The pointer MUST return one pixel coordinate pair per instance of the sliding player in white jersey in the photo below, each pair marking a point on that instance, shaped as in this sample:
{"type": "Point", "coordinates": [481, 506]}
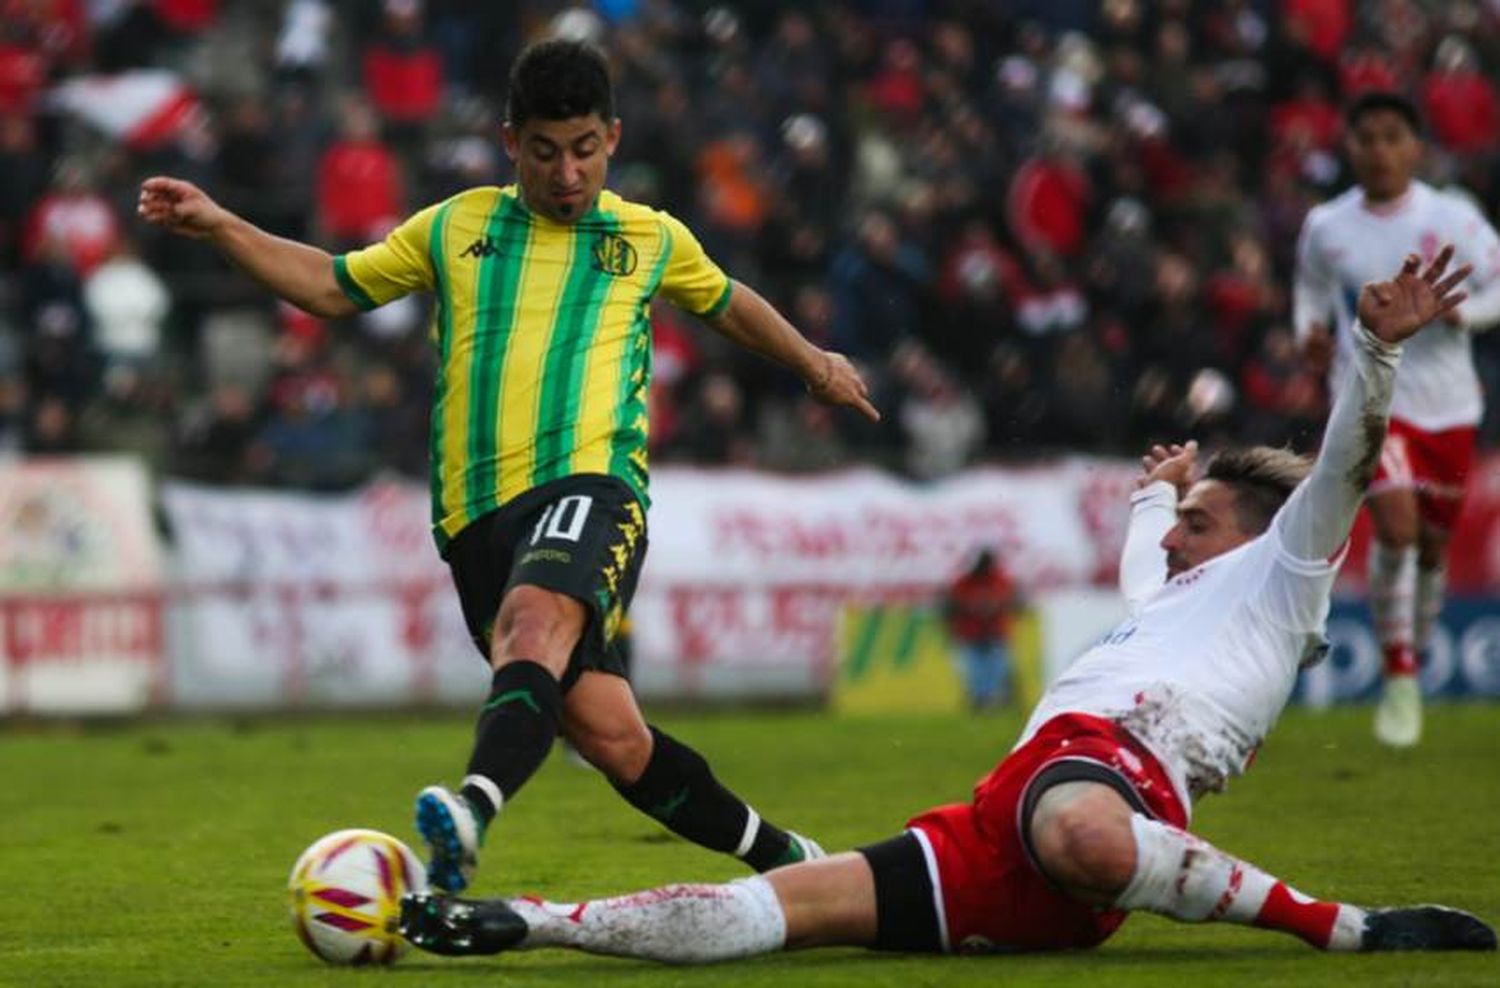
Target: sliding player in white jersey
{"type": "Point", "coordinates": [1228, 581]}
{"type": "Point", "coordinates": [1418, 489]}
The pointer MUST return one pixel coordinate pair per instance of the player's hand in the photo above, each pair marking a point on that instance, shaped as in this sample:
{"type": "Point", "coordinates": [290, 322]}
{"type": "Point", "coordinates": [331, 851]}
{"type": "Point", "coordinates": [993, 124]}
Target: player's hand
{"type": "Point", "coordinates": [836, 382]}
{"type": "Point", "coordinates": [1394, 310]}
{"type": "Point", "coordinates": [181, 207]}
{"type": "Point", "coordinates": [1174, 464]}
{"type": "Point", "coordinates": [1317, 349]}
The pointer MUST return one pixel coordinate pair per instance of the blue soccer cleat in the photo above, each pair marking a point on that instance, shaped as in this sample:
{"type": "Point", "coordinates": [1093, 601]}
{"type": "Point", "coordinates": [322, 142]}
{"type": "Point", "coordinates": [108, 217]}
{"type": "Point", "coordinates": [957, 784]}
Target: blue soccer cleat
{"type": "Point", "coordinates": [453, 833]}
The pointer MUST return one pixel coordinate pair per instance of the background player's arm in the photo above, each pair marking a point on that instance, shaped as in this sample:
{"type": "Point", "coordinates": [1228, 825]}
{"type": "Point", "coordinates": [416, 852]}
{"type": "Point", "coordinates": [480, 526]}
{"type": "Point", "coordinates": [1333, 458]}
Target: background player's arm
{"type": "Point", "coordinates": [1314, 295]}
{"type": "Point", "coordinates": [1317, 518]}
{"type": "Point", "coordinates": [754, 323]}
{"type": "Point", "coordinates": [297, 272]}
{"type": "Point", "coordinates": [1481, 311]}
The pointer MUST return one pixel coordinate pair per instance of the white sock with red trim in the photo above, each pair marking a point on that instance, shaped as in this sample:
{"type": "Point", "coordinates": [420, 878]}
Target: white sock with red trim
{"type": "Point", "coordinates": [1393, 588]}
{"type": "Point", "coordinates": [680, 924]}
{"type": "Point", "coordinates": [1431, 584]}
{"type": "Point", "coordinates": [1181, 876]}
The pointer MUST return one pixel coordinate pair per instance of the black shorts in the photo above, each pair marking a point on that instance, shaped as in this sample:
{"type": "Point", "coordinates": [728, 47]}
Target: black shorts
{"type": "Point", "coordinates": [584, 536]}
{"type": "Point", "coordinates": [905, 903]}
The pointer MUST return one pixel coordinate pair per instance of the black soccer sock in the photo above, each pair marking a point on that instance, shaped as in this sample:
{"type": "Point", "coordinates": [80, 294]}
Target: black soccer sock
{"type": "Point", "coordinates": [679, 790]}
{"type": "Point", "coordinates": [517, 725]}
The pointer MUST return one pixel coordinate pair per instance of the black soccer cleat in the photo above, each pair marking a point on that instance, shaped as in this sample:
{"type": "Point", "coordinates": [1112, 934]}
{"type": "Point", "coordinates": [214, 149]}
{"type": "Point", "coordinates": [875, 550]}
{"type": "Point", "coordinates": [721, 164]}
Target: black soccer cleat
{"type": "Point", "coordinates": [440, 924]}
{"type": "Point", "coordinates": [1425, 928]}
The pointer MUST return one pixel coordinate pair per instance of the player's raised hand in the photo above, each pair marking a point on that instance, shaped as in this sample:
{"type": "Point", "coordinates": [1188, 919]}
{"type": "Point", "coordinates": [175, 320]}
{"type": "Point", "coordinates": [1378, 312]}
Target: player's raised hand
{"type": "Point", "coordinates": [1394, 310]}
{"type": "Point", "coordinates": [837, 382]}
{"type": "Point", "coordinates": [180, 206]}
{"type": "Point", "coordinates": [1174, 464]}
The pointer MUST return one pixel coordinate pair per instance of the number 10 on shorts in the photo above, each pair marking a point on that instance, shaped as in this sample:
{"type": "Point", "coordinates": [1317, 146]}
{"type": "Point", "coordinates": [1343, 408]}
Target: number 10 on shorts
{"type": "Point", "coordinates": [564, 519]}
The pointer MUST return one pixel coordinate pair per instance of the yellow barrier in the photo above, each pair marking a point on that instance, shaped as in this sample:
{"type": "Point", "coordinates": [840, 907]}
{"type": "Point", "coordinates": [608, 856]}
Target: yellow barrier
{"type": "Point", "coordinates": [898, 658]}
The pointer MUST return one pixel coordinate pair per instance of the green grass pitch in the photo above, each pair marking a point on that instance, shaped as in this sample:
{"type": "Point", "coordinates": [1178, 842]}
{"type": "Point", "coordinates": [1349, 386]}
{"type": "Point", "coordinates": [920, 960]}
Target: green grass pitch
{"type": "Point", "coordinates": [156, 853]}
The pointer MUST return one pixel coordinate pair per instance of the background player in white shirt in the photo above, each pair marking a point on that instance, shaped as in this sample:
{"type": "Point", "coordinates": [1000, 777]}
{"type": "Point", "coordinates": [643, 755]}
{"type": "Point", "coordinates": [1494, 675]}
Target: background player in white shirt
{"type": "Point", "coordinates": [1085, 819]}
{"type": "Point", "coordinates": [1418, 489]}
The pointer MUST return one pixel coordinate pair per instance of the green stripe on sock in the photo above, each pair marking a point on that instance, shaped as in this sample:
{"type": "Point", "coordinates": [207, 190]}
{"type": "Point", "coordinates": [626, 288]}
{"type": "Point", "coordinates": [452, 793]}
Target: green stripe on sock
{"type": "Point", "coordinates": [523, 695]}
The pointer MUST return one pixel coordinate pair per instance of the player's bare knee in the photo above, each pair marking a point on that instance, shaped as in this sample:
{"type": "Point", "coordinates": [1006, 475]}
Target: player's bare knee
{"type": "Point", "coordinates": [1397, 538]}
{"type": "Point", "coordinates": [827, 902]}
{"type": "Point", "coordinates": [1396, 521]}
{"type": "Point", "coordinates": [1432, 547]}
{"type": "Point", "coordinates": [1081, 836]}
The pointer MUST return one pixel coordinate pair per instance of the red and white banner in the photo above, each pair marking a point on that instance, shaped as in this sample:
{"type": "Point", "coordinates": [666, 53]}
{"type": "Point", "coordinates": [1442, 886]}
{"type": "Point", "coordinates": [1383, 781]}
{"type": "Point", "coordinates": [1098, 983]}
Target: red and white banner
{"type": "Point", "coordinates": [143, 108]}
{"type": "Point", "coordinates": [293, 599]}
{"type": "Point", "coordinates": [296, 599]}
{"type": "Point", "coordinates": [80, 587]}
{"type": "Point", "coordinates": [747, 571]}
{"type": "Point", "coordinates": [289, 598]}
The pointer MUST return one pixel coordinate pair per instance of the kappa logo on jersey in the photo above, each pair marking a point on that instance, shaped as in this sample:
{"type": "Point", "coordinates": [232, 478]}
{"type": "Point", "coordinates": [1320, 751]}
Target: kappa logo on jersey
{"type": "Point", "coordinates": [613, 254]}
{"type": "Point", "coordinates": [481, 247]}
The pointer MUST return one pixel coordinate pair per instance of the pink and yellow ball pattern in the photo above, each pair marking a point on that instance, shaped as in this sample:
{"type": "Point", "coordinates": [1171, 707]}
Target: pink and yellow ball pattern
{"type": "Point", "coordinates": [346, 894]}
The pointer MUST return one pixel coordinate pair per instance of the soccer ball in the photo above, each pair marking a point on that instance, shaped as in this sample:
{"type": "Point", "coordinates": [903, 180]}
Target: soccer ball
{"type": "Point", "coordinates": [346, 894]}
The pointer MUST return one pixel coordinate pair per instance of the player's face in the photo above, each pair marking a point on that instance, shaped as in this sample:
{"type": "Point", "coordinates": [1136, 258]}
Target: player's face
{"type": "Point", "coordinates": [1384, 153]}
{"type": "Point", "coordinates": [1207, 526]}
{"type": "Point", "coordinates": [561, 164]}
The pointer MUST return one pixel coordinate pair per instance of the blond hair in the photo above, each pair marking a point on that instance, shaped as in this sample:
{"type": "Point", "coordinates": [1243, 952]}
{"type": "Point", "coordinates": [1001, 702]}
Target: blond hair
{"type": "Point", "coordinates": [1262, 478]}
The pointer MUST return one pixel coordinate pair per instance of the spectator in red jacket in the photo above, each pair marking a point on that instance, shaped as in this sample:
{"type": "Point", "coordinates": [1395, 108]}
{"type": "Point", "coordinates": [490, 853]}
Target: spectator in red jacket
{"type": "Point", "coordinates": [359, 182]}
{"type": "Point", "coordinates": [77, 217]}
{"type": "Point", "coordinates": [1365, 68]}
{"type": "Point", "coordinates": [187, 17]}
{"type": "Point", "coordinates": [1460, 101]}
{"type": "Point", "coordinates": [980, 609]}
{"type": "Point", "coordinates": [403, 71]}
{"type": "Point", "coordinates": [1320, 26]}
{"type": "Point", "coordinates": [1048, 202]}
{"type": "Point", "coordinates": [1309, 118]}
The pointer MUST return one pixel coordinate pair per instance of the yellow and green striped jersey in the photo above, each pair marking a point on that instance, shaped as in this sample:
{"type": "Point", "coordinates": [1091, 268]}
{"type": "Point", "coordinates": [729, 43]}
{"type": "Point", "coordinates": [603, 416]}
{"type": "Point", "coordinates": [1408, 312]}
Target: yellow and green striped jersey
{"type": "Point", "coordinates": [544, 336]}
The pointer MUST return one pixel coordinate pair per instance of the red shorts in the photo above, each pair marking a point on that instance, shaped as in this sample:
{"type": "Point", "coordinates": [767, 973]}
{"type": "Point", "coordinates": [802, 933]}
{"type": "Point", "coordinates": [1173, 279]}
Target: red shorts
{"type": "Point", "coordinates": [1436, 464]}
{"type": "Point", "coordinates": [993, 896]}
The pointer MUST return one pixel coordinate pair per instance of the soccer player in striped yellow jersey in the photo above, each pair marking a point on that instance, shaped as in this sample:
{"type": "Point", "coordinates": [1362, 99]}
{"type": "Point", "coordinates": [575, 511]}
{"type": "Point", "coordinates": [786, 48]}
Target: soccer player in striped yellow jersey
{"type": "Point", "coordinates": [538, 444]}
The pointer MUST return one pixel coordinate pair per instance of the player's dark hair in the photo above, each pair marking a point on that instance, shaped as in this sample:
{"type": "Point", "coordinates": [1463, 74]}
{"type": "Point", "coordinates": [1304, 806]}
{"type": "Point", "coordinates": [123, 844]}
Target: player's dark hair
{"type": "Point", "coordinates": [558, 79]}
{"type": "Point", "coordinates": [1262, 478]}
{"type": "Point", "coordinates": [1383, 101]}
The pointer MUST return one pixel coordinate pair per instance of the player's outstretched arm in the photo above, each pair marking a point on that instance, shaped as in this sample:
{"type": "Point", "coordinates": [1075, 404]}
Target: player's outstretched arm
{"type": "Point", "coordinates": [297, 272]}
{"type": "Point", "coordinates": [753, 322]}
{"type": "Point", "coordinates": [1480, 313]}
{"type": "Point", "coordinates": [1317, 518]}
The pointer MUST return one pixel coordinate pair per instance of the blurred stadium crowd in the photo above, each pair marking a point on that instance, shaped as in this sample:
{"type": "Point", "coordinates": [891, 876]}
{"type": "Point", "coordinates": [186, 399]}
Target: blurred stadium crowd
{"type": "Point", "coordinates": [1040, 224]}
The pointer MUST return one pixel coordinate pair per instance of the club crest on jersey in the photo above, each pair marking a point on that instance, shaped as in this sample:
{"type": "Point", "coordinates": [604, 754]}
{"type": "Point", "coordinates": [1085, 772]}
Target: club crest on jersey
{"type": "Point", "coordinates": [614, 255]}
